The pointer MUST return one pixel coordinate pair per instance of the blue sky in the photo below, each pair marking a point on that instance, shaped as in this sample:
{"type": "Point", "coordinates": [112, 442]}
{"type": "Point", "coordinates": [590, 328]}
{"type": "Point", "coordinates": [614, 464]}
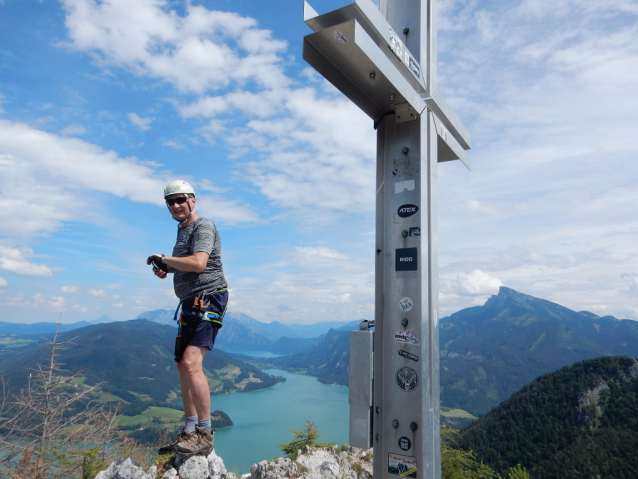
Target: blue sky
{"type": "Point", "coordinates": [102, 103]}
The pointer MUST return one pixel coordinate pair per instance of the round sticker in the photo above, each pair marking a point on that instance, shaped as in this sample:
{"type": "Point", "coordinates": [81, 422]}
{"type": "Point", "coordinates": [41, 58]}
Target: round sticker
{"type": "Point", "coordinates": [405, 443]}
{"type": "Point", "coordinates": [407, 379]}
{"type": "Point", "coordinates": [406, 304]}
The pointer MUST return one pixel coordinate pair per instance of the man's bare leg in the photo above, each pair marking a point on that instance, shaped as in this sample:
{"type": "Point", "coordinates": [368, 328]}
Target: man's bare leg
{"type": "Point", "coordinates": [195, 389]}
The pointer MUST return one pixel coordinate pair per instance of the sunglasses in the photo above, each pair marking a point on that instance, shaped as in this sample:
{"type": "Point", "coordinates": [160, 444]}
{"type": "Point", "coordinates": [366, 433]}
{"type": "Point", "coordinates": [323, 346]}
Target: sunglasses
{"type": "Point", "coordinates": [179, 200]}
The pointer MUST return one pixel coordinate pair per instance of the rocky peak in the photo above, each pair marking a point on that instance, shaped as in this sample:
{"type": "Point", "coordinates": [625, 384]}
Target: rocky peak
{"type": "Point", "coordinates": [311, 463]}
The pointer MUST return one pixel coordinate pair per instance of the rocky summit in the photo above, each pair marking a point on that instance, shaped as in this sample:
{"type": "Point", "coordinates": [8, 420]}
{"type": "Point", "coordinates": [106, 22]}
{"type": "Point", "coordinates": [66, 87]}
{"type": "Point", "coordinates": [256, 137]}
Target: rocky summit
{"type": "Point", "coordinates": [311, 463]}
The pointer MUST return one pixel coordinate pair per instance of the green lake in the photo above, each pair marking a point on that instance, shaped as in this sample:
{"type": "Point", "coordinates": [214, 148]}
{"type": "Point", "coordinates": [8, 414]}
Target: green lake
{"type": "Point", "coordinates": [265, 418]}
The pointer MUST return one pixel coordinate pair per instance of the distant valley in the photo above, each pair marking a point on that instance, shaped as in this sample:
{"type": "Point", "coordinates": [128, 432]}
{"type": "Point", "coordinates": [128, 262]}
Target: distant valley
{"type": "Point", "coordinates": [486, 352]}
{"type": "Point", "coordinates": [134, 359]}
{"type": "Point", "coordinates": [489, 352]}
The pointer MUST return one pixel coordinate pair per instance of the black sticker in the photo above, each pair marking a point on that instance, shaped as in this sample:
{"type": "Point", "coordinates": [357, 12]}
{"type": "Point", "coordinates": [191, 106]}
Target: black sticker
{"type": "Point", "coordinates": [416, 231]}
{"type": "Point", "coordinates": [416, 69]}
{"type": "Point", "coordinates": [406, 259]}
{"type": "Point", "coordinates": [407, 379]}
{"type": "Point", "coordinates": [404, 443]}
{"type": "Point", "coordinates": [405, 354]}
{"type": "Point", "coordinates": [405, 211]}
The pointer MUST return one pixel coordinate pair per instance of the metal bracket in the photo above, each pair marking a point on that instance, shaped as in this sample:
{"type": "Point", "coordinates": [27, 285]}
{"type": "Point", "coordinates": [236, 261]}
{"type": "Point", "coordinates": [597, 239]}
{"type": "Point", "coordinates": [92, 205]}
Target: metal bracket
{"type": "Point", "coordinates": [404, 112]}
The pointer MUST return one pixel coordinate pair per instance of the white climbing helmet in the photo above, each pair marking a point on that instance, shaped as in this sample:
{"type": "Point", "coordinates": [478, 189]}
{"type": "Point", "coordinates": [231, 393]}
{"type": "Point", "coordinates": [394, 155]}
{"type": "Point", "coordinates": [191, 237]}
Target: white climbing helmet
{"type": "Point", "coordinates": [177, 187]}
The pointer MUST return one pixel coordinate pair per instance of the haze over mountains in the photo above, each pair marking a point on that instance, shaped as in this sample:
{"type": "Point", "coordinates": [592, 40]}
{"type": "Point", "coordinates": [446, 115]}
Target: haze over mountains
{"type": "Point", "coordinates": [486, 352]}
{"type": "Point", "coordinates": [135, 359]}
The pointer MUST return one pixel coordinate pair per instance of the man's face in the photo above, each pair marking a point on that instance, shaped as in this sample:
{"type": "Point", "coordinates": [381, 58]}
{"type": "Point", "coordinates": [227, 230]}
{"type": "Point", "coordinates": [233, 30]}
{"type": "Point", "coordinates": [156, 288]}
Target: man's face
{"type": "Point", "coordinates": [178, 205]}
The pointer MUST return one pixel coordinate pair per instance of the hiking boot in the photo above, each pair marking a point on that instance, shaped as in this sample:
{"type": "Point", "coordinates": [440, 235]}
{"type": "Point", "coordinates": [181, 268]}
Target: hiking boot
{"type": "Point", "coordinates": [207, 440]}
{"type": "Point", "coordinates": [198, 442]}
{"type": "Point", "coordinates": [183, 435]}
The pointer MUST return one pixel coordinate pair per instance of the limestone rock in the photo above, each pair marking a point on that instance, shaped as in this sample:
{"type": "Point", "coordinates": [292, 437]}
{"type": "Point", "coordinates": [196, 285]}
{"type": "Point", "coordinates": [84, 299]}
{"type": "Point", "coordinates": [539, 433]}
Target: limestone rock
{"type": "Point", "coordinates": [170, 474]}
{"type": "Point", "coordinates": [216, 467]}
{"type": "Point", "coordinates": [319, 463]}
{"type": "Point", "coordinates": [125, 468]}
{"type": "Point", "coordinates": [195, 467]}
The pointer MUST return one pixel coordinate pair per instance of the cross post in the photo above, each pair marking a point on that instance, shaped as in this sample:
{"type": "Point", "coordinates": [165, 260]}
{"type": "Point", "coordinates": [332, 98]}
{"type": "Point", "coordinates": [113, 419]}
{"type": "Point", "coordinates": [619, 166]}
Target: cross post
{"type": "Point", "coordinates": [384, 60]}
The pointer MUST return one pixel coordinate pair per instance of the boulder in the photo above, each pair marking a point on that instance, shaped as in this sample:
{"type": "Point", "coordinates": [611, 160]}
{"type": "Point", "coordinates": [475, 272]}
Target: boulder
{"type": "Point", "coordinates": [195, 467]}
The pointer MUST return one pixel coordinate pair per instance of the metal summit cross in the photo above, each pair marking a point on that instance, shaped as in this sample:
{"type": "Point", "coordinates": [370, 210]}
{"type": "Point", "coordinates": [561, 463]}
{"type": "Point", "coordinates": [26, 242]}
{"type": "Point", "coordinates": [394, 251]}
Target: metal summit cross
{"type": "Point", "coordinates": [384, 60]}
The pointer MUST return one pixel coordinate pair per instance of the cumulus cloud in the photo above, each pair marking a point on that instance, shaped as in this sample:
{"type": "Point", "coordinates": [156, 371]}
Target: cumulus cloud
{"type": "Point", "coordinates": [69, 289]}
{"type": "Point", "coordinates": [118, 305]}
{"type": "Point", "coordinates": [97, 292]}
{"type": "Point", "coordinates": [315, 149]}
{"type": "Point", "coordinates": [141, 123]}
{"type": "Point", "coordinates": [3, 282]}
{"type": "Point", "coordinates": [201, 50]}
{"type": "Point", "coordinates": [477, 283]}
{"type": "Point", "coordinates": [54, 169]}
{"type": "Point", "coordinates": [14, 261]}
{"type": "Point", "coordinates": [36, 301]}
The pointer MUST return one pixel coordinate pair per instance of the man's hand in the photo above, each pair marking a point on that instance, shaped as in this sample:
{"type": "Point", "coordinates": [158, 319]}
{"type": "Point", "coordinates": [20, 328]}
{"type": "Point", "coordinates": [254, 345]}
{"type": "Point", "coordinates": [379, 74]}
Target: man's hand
{"type": "Point", "coordinates": [159, 267]}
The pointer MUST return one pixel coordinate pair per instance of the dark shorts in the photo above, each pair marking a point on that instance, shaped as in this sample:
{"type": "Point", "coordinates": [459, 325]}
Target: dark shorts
{"type": "Point", "coordinates": [207, 329]}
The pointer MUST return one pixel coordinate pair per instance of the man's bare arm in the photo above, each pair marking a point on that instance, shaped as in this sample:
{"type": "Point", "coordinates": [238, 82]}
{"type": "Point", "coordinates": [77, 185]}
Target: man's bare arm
{"type": "Point", "coordinates": [195, 263]}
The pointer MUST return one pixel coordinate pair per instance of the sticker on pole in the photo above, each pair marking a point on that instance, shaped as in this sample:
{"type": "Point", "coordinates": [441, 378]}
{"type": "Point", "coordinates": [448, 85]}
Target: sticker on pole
{"type": "Point", "coordinates": [406, 354]}
{"type": "Point", "coordinates": [406, 259]}
{"type": "Point", "coordinates": [405, 211]}
{"type": "Point", "coordinates": [401, 186]}
{"type": "Point", "coordinates": [415, 231]}
{"type": "Point", "coordinates": [402, 465]}
{"type": "Point", "coordinates": [406, 337]}
{"type": "Point", "coordinates": [396, 45]}
{"type": "Point", "coordinates": [404, 443]}
{"type": "Point", "coordinates": [407, 379]}
{"type": "Point", "coordinates": [406, 304]}
{"type": "Point", "coordinates": [338, 34]}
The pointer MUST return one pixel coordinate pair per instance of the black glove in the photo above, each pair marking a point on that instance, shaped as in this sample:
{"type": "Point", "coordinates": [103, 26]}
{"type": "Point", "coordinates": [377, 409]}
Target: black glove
{"type": "Point", "coordinates": [156, 260]}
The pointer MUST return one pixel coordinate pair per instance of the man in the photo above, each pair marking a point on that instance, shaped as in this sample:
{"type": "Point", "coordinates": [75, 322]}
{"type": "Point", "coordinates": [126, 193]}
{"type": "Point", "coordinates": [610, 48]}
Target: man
{"type": "Point", "coordinates": [200, 285]}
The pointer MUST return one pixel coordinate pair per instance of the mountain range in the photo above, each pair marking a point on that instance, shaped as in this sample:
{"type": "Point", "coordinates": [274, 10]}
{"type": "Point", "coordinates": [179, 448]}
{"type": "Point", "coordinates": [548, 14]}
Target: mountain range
{"type": "Point", "coordinates": [486, 352]}
{"type": "Point", "coordinates": [579, 422]}
{"type": "Point", "coordinates": [489, 352]}
{"type": "Point", "coordinates": [245, 334]}
{"type": "Point", "coordinates": [134, 359]}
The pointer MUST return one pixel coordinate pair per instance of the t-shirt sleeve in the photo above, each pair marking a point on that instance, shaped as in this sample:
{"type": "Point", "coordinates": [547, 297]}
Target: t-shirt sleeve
{"type": "Point", "coordinates": [203, 238]}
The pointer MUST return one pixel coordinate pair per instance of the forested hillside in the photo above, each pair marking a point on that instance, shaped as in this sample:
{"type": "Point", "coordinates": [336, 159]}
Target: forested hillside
{"type": "Point", "coordinates": [488, 352]}
{"type": "Point", "coordinates": [135, 359]}
{"type": "Point", "coordinates": [579, 422]}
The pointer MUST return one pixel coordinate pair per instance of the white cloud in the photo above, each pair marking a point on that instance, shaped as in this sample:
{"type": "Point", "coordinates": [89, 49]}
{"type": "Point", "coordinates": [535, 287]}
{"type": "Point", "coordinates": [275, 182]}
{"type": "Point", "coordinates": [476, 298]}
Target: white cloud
{"type": "Point", "coordinates": [36, 301]}
{"type": "Point", "coordinates": [314, 148]}
{"type": "Point", "coordinates": [73, 130]}
{"type": "Point", "coordinates": [81, 309]}
{"type": "Point", "coordinates": [97, 292]}
{"type": "Point", "coordinates": [3, 282]}
{"type": "Point", "coordinates": [55, 169]}
{"type": "Point", "coordinates": [69, 289]}
{"type": "Point", "coordinates": [202, 50]}
{"type": "Point", "coordinates": [477, 283]}
{"type": "Point", "coordinates": [118, 305]}
{"type": "Point", "coordinates": [13, 260]}
{"type": "Point", "coordinates": [141, 123]}
{"type": "Point", "coordinates": [173, 144]}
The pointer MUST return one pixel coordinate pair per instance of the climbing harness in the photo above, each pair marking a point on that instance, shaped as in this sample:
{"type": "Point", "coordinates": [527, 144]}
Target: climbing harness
{"type": "Point", "coordinates": [189, 321]}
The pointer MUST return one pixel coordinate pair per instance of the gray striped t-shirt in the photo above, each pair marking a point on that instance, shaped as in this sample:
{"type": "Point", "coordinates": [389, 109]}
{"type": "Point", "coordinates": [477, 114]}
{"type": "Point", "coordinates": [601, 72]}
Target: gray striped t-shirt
{"type": "Point", "coordinates": [200, 235]}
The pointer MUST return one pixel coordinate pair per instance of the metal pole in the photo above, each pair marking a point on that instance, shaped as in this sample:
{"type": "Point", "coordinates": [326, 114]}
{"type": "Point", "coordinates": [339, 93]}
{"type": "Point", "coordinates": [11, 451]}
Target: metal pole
{"type": "Point", "coordinates": [406, 387]}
